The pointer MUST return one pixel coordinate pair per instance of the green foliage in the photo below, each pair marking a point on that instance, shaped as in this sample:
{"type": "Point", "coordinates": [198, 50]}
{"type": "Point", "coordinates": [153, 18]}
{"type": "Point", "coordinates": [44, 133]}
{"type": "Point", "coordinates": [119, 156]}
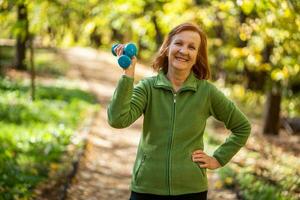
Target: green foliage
{"type": "Point", "coordinates": [252, 186]}
{"type": "Point", "coordinates": [291, 106]}
{"type": "Point", "coordinates": [258, 24]}
{"type": "Point", "coordinates": [6, 55]}
{"type": "Point", "coordinates": [226, 173]}
{"type": "Point", "coordinates": [249, 102]}
{"type": "Point", "coordinates": [5, 58]}
{"type": "Point", "coordinates": [255, 189]}
{"type": "Point", "coordinates": [46, 61]}
{"type": "Point", "coordinates": [213, 141]}
{"type": "Point", "coordinates": [35, 135]}
{"type": "Point", "coordinates": [26, 154]}
{"type": "Point", "coordinates": [252, 102]}
{"type": "Point", "coordinates": [266, 173]}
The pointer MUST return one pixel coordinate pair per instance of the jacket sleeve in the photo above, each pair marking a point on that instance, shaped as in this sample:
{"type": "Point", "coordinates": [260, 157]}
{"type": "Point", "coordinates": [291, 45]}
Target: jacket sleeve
{"type": "Point", "coordinates": [127, 103]}
{"type": "Point", "coordinates": [226, 111]}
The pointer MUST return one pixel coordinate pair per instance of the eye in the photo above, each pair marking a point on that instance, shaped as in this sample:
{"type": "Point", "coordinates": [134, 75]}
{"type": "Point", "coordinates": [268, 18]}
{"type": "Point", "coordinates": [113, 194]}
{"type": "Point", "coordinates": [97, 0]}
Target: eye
{"type": "Point", "coordinates": [192, 47]}
{"type": "Point", "coordinates": [177, 43]}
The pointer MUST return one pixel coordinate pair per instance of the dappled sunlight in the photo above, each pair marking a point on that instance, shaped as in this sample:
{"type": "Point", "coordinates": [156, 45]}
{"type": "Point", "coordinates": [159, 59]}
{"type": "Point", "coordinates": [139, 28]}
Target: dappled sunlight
{"type": "Point", "coordinates": [58, 75]}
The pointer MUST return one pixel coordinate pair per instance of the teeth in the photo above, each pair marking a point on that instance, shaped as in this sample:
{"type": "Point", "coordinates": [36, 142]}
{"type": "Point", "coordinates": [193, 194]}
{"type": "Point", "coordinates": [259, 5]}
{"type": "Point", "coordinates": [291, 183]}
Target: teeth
{"type": "Point", "coordinates": [181, 59]}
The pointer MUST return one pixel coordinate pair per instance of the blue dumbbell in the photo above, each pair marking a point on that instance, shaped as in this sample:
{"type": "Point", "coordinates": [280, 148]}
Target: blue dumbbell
{"type": "Point", "coordinates": [129, 51]}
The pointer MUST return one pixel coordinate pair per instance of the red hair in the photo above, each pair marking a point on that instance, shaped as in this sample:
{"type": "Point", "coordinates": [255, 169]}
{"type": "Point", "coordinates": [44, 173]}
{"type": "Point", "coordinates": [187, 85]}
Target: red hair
{"type": "Point", "coordinates": [201, 67]}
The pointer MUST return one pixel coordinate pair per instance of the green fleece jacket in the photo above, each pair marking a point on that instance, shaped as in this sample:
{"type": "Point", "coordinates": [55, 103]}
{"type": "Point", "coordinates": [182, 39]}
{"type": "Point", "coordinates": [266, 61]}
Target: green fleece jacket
{"type": "Point", "coordinates": [173, 128]}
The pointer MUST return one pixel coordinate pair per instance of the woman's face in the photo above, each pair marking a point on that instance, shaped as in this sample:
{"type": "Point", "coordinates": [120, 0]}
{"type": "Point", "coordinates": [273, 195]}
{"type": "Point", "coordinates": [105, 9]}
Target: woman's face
{"type": "Point", "coordinates": [183, 49]}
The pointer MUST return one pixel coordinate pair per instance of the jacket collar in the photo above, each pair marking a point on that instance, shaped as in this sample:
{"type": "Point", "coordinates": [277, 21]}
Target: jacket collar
{"type": "Point", "coordinates": [163, 82]}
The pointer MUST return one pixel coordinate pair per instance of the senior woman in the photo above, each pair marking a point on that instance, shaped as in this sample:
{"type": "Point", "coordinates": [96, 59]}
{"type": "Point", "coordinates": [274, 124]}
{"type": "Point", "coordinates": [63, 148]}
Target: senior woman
{"type": "Point", "coordinates": [171, 162]}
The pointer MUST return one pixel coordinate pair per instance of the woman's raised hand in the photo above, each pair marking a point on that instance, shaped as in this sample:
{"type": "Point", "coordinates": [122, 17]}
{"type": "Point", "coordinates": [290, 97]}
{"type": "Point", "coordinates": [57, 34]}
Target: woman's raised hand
{"type": "Point", "coordinates": [205, 160]}
{"type": "Point", "coordinates": [131, 69]}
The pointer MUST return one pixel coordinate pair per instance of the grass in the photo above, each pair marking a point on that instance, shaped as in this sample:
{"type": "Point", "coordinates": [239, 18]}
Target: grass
{"type": "Point", "coordinates": [6, 55]}
{"type": "Point", "coordinates": [46, 61]}
{"type": "Point", "coordinates": [50, 63]}
{"type": "Point", "coordinates": [35, 135]}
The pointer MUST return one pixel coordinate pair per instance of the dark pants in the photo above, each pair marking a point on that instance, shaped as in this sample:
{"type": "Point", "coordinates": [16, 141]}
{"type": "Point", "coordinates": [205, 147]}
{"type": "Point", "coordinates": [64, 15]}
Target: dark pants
{"type": "Point", "coordinates": [194, 196]}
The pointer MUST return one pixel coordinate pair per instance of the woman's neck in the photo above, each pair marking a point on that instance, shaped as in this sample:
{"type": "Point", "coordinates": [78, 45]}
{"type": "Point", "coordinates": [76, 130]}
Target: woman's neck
{"type": "Point", "coordinates": [177, 78]}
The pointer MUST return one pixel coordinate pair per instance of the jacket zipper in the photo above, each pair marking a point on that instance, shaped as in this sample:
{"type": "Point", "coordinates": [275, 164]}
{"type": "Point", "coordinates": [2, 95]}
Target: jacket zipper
{"type": "Point", "coordinates": [139, 167]}
{"type": "Point", "coordinates": [170, 144]}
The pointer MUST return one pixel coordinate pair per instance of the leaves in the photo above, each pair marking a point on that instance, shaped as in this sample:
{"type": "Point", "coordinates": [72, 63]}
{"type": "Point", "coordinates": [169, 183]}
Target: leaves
{"type": "Point", "coordinates": [35, 135]}
{"type": "Point", "coordinates": [246, 5]}
{"type": "Point", "coordinates": [265, 22]}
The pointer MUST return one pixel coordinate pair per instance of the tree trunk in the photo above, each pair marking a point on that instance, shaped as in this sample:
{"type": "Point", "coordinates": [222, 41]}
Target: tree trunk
{"type": "Point", "coordinates": [271, 119]}
{"type": "Point", "coordinates": [32, 72]}
{"type": "Point", "coordinates": [200, 2]}
{"type": "Point", "coordinates": [158, 36]}
{"type": "Point", "coordinates": [116, 35]}
{"type": "Point", "coordinates": [255, 79]}
{"type": "Point", "coordinates": [21, 37]}
{"type": "Point", "coordinates": [96, 38]}
{"type": "Point", "coordinates": [272, 112]}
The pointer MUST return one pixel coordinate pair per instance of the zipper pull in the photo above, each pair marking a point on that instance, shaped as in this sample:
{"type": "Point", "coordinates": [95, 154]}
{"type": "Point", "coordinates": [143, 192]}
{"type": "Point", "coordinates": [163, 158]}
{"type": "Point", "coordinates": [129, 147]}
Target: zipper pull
{"type": "Point", "coordinates": [175, 98]}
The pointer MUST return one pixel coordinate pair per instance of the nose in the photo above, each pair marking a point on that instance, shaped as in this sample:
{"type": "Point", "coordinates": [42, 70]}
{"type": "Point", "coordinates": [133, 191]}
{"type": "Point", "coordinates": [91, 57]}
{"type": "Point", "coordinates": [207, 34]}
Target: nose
{"type": "Point", "coordinates": [183, 50]}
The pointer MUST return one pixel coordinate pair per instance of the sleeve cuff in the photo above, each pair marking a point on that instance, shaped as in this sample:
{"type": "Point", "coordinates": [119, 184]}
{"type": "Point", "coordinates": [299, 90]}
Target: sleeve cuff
{"type": "Point", "coordinates": [219, 160]}
{"type": "Point", "coordinates": [127, 77]}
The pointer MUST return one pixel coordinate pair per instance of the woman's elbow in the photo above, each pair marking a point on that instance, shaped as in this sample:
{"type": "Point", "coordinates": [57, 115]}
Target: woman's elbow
{"type": "Point", "coordinates": [115, 124]}
{"type": "Point", "coordinates": [115, 121]}
{"type": "Point", "coordinates": [248, 127]}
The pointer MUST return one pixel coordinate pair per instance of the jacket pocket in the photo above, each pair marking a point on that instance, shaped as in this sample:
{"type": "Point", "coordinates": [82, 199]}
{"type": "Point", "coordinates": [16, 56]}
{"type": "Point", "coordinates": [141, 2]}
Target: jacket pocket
{"type": "Point", "coordinates": [202, 170]}
{"type": "Point", "coordinates": [139, 167]}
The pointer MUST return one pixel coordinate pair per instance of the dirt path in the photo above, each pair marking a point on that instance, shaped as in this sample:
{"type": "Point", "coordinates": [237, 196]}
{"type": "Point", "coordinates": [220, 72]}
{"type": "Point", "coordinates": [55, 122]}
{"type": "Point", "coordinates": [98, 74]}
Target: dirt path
{"type": "Point", "coordinates": [104, 171]}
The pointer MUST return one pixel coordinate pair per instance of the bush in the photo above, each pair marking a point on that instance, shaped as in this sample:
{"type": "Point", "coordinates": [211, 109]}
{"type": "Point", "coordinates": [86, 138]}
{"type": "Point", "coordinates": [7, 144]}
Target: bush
{"type": "Point", "coordinates": [35, 135]}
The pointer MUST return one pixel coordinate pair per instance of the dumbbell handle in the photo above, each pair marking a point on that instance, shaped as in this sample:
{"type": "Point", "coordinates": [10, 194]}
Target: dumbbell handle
{"type": "Point", "coordinates": [129, 51]}
{"type": "Point", "coordinates": [113, 49]}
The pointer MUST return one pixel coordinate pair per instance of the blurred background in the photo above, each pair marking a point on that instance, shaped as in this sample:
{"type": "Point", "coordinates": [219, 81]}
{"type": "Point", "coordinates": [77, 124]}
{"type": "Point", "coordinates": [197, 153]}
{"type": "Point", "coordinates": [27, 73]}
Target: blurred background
{"type": "Point", "coordinates": [47, 92]}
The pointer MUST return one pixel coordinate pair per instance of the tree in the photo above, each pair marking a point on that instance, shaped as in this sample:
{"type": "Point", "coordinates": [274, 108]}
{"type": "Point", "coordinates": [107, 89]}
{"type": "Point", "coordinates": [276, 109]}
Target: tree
{"type": "Point", "coordinates": [270, 50]}
{"type": "Point", "coordinates": [22, 35]}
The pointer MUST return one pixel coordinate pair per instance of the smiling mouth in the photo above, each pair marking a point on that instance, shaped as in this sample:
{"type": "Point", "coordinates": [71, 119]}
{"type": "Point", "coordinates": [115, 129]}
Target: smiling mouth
{"type": "Point", "coordinates": [181, 59]}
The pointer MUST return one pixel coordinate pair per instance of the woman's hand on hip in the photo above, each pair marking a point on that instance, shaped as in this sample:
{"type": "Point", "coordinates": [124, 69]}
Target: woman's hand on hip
{"type": "Point", "coordinates": [205, 160]}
